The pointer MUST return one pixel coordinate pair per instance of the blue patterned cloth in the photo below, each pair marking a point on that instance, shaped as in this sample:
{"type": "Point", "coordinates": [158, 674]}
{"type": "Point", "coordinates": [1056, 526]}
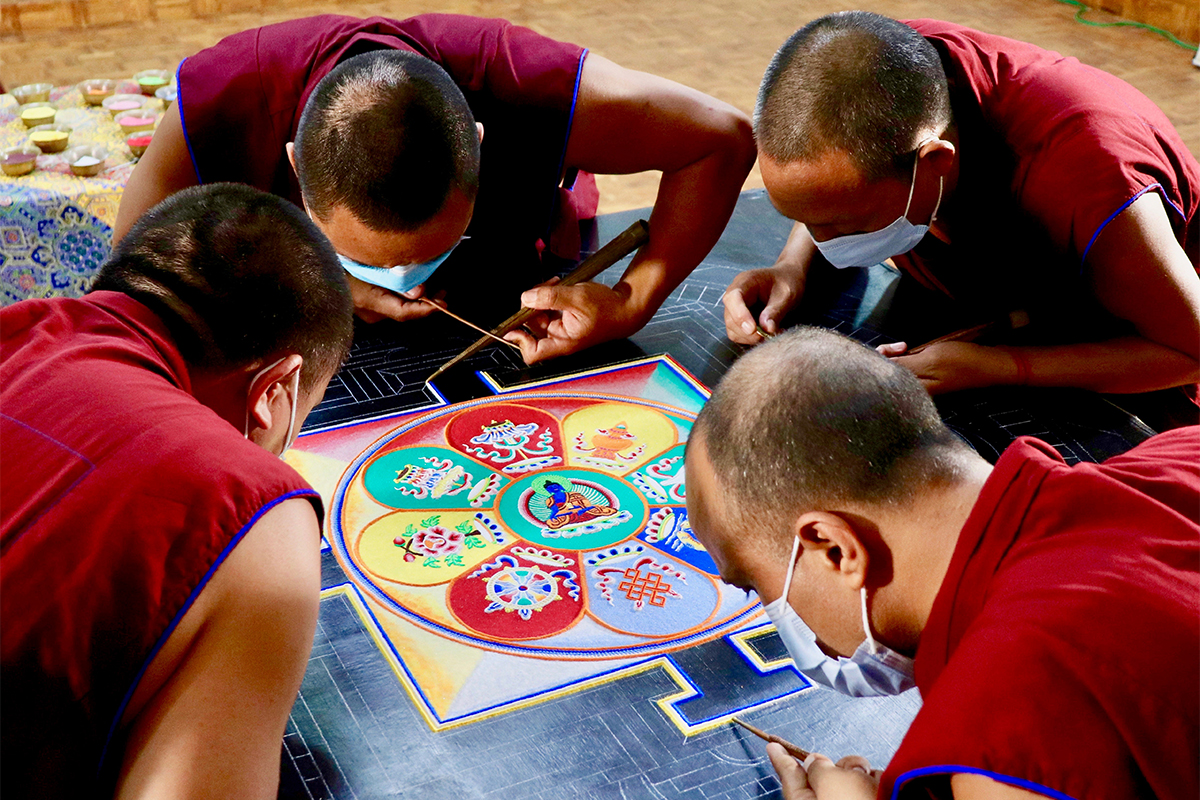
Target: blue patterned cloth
{"type": "Point", "coordinates": [56, 228]}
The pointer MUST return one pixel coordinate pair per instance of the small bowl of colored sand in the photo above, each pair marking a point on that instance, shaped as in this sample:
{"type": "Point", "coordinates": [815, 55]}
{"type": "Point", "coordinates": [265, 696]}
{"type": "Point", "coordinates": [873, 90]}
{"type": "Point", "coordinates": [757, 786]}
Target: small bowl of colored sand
{"type": "Point", "coordinates": [135, 121]}
{"type": "Point", "coordinates": [50, 138]}
{"type": "Point", "coordinates": [167, 94]}
{"type": "Point", "coordinates": [150, 81]}
{"type": "Point", "coordinates": [123, 103]}
{"type": "Point", "coordinates": [86, 160]}
{"type": "Point", "coordinates": [96, 90]}
{"type": "Point", "coordinates": [32, 93]}
{"type": "Point", "coordinates": [139, 142]}
{"type": "Point", "coordinates": [19, 160]}
{"type": "Point", "coordinates": [34, 114]}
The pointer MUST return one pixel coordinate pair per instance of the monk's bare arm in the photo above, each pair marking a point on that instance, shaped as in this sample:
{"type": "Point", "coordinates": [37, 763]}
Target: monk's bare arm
{"type": "Point", "coordinates": [969, 786]}
{"type": "Point", "coordinates": [1139, 273]}
{"type": "Point", "coordinates": [626, 122]}
{"type": "Point", "coordinates": [165, 168]}
{"type": "Point", "coordinates": [208, 719]}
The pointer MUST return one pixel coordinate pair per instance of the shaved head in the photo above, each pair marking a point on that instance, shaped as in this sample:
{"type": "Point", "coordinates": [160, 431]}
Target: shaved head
{"type": "Point", "coordinates": [857, 82]}
{"type": "Point", "coordinates": [388, 135]}
{"type": "Point", "coordinates": [814, 420]}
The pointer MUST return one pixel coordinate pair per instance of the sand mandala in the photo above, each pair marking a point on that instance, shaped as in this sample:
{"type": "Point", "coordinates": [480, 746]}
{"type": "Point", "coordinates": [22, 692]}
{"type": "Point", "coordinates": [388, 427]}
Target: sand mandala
{"type": "Point", "coordinates": [535, 524]}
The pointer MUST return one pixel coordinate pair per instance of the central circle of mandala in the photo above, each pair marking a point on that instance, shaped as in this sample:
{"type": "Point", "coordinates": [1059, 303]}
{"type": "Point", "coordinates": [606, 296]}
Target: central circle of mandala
{"type": "Point", "coordinates": [572, 509]}
{"type": "Point", "coordinates": [551, 525]}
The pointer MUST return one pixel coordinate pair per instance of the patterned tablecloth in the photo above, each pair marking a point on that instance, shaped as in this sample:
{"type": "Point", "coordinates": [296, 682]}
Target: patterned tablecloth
{"type": "Point", "coordinates": [56, 228]}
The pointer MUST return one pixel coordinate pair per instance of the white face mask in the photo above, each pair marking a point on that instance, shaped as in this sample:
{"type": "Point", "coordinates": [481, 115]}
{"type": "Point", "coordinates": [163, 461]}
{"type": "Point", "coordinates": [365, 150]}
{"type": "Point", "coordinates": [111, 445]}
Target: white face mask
{"type": "Point", "coordinates": [287, 442]}
{"type": "Point", "coordinates": [871, 671]}
{"type": "Point", "coordinates": [868, 249]}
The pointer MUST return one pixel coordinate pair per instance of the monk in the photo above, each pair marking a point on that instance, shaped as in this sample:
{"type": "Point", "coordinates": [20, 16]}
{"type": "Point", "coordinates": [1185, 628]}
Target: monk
{"type": "Point", "coordinates": [445, 138]}
{"type": "Point", "coordinates": [1004, 176]}
{"type": "Point", "coordinates": [1046, 613]}
{"type": "Point", "coordinates": [159, 562]}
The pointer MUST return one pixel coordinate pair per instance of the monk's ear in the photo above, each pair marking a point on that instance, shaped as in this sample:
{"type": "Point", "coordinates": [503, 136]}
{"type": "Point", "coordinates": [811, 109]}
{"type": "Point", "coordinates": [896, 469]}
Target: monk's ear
{"type": "Point", "coordinates": [832, 546]}
{"type": "Point", "coordinates": [290, 147]}
{"type": "Point", "coordinates": [939, 154]}
{"type": "Point", "coordinates": [267, 388]}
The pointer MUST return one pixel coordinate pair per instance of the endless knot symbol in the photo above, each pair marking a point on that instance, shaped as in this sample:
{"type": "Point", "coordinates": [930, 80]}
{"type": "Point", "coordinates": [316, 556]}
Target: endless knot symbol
{"type": "Point", "coordinates": [649, 587]}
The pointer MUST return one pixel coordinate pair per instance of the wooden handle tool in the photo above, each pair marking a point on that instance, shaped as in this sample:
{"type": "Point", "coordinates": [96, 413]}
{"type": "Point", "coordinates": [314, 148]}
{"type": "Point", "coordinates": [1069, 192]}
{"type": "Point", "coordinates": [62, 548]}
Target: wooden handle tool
{"type": "Point", "coordinates": [793, 750]}
{"type": "Point", "coordinates": [622, 245]}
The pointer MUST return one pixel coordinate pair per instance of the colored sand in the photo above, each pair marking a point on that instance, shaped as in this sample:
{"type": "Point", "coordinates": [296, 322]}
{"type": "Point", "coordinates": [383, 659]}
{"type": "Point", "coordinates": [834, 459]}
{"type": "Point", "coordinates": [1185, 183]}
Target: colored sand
{"type": "Point", "coordinates": [139, 141]}
{"type": "Point", "coordinates": [41, 112]}
{"type": "Point", "coordinates": [97, 90]}
{"type": "Point", "coordinates": [12, 159]}
{"type": "Point", "coordinates": [134, 122]}
{"type": "Point", "coordinates": [86, 161]}
{"type": "Point", "coordinates": [125, 105]}
{"type": "Point", "coordinates": [48, 137]}
{"type": "Point", "coordinates": [152, 81]}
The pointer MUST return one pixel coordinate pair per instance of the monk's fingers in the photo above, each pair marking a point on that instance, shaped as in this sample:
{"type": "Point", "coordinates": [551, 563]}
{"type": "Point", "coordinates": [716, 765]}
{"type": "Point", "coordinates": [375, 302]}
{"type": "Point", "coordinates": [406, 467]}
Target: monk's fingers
{"type": "Point", "coordinates": [782, 297]}
{"type": "Point", "coordinates": [893, 349]}
{"type": "Point", "coordinates": [855, 762]}
{"type": "Point", "coordinates": [526, 342]}
{"type": "Point", "coordinates": [792, 779]}
{"type": "Point", "coordinates": [832, 780]}
{"type": "Point", "coordinates": [747, 289]}
{"type": "Point", "coordinates": [535, 349]}
{"type": "Point", "coordinates": [372, 303]}
{"type": "Point", "coordinates": [538, 323]}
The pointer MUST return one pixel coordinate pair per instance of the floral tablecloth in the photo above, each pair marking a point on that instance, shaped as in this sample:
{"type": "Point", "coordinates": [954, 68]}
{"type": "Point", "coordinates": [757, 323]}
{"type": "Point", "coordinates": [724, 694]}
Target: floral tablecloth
{"type": "Point", "coordinates": [56, 228]}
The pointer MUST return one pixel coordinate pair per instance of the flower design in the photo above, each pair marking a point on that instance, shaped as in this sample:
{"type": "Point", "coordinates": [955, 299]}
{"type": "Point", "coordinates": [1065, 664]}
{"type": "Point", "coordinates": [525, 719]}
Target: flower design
{"type": "Point", "coordinates": [438, 541]}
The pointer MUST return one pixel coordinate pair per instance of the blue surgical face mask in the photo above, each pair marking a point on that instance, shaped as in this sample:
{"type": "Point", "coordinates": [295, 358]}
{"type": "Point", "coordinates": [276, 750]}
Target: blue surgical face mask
{"type": "Point", "coordinates": [868, 249]}
{"type": "Point", "coordinates": [397, 279]}
{"type": "Point", "coordinates": [287, 441]}
{"type": "Point", "coordinates": [871, 671]}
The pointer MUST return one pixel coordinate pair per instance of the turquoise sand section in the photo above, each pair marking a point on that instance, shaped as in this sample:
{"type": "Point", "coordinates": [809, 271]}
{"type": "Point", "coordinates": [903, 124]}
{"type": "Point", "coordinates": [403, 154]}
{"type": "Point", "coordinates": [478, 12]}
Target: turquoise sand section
{"type": "Point", "coordinates": [668, 385]}
{"type": "Point", "coordinates": [431, 477]}
{"type": "Point", "coordinates": [523, 499]}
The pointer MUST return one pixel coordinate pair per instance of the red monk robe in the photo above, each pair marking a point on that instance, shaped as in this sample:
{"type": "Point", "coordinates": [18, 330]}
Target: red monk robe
{"type": "Point", "coordinates": [1062, 653]}
{"type": "Point", "coordinates": [1051, 151]}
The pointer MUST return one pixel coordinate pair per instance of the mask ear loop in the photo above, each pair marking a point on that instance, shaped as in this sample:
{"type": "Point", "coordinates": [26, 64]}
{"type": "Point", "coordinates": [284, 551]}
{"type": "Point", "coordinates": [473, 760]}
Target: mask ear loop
{"type": "Point", "coordinates": [295, 401]}
{"type": "Point", "coordinates": [913, 186]}
{"type": "Point", "coordinates": [787, 582]}
{"type": "Point", "coordinates": [287, 442]}
{"type": "Point", "coordinates": [867, 622]}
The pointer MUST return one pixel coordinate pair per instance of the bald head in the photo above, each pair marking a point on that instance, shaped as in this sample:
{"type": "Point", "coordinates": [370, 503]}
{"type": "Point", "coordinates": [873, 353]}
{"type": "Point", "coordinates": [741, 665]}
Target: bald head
{"type": "Point", "coordinates": [815, 420]}
{"type": "Point", "coordinates": [388, 136]}
{"type": "Point", "coordinates": [857, 82]}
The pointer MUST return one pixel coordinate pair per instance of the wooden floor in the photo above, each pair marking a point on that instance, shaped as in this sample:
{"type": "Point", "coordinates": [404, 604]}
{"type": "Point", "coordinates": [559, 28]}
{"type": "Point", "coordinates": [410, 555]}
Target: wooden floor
{"type": "Point", "coordinates": [717, 46]}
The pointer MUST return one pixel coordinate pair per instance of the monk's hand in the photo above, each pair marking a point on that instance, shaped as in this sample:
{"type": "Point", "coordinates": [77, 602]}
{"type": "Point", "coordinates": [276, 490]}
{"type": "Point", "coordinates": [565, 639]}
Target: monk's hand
{"type": "Point", "coordinates": [573, 318]}
{"type": "Point", "coordinates": [953, 366]}
{"type": "Point", "coordinates": [373, 303]}
{"type": "Point", "coordinates": [777, 289]}
{"type": "Point", "coordinates": [818, 778]}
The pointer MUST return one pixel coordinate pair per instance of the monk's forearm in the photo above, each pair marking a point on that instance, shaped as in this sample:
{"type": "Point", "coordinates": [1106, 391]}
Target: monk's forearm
{"type": "Point", "coordinates": [1118, 366]}
{"type": "Point", "coordinates": [690, 213]}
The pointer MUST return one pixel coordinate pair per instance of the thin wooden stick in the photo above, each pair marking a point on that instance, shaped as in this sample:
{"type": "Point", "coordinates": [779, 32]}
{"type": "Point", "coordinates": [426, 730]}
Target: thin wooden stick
{"type": "Point", "coordinates": [793, 750]}
{"type": "Point", "coordinates": [622, 245]}
{"type": "Point", "coordinates": [470, 324]}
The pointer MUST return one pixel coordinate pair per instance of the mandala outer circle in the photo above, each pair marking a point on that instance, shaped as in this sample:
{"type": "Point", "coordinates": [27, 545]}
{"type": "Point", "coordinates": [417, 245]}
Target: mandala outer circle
{"type": "Point", "coordinates": [732, 619]}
